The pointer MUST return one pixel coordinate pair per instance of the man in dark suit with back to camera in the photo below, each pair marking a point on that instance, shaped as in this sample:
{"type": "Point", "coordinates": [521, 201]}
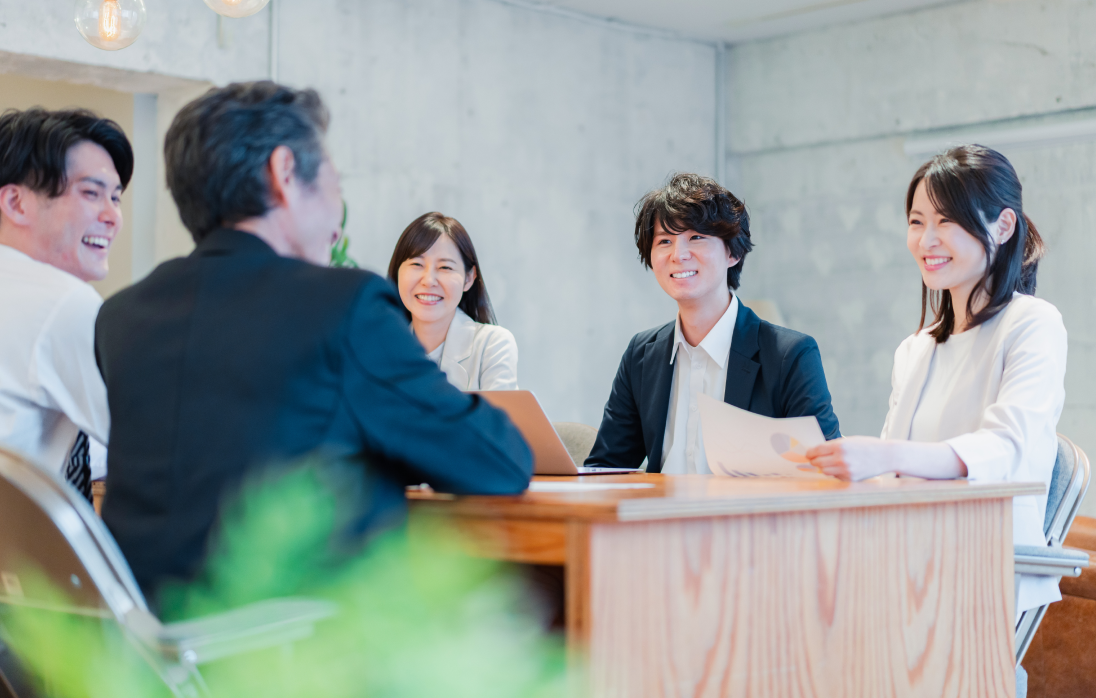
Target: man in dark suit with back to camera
{"type": "Point", "coordinates": [250, 352]}
{"type": "Point", "coordinates": [694, 235]}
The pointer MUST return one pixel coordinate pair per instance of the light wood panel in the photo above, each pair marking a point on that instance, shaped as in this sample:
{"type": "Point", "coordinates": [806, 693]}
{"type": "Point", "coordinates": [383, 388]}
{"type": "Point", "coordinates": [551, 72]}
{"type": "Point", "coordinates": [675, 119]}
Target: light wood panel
{"type": "Point", "coordinates": [868, 602]}
{"type": "Point", "coordinates": [98, 491]}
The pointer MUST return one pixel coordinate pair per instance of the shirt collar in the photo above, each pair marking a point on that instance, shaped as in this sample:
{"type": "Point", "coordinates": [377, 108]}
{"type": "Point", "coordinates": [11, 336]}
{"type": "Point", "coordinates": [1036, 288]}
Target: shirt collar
{"type": "Point", "coordinates": [717, 343]}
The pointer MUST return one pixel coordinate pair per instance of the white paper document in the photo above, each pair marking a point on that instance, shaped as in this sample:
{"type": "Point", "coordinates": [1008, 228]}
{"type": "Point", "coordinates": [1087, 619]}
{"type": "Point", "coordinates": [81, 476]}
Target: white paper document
{"type": "Point", "coordinates": [586, 486]}
{"type": "Point", "coordinates": [743, 444]}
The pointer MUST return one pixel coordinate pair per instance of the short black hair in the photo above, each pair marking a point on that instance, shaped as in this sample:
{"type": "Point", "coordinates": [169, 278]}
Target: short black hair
{"type": "Point", "coordinates": [692, 202]}
{"type": "Point", "coordinates": [34, 145]}
{"type": "Point", "coordinates": [218, 147]}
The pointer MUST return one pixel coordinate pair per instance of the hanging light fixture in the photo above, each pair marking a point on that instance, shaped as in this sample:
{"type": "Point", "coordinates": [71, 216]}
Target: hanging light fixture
{"type": "Point", "coordinates": [236, 8]}
{"type": "Point", "coordinates": [110, 24]}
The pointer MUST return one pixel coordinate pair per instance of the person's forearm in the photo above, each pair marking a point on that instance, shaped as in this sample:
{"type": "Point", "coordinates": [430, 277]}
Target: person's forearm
{"type": "Point", "coordinates": [936, 461]}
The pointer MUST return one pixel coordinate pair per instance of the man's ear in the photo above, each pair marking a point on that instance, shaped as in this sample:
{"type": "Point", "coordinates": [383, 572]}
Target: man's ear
{"type": "Point", "coordinates": [16, 204]}
{"type": "Point", "coordinates": [282, 172]}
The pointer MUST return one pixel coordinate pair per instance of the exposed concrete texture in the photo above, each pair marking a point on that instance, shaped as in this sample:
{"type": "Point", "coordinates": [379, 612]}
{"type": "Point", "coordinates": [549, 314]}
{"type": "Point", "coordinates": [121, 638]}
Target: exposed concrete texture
{"type": "Point", "coordinates": [179, 40]}
{"type": "Point", "coordinates": [957, 64]}
{"type": "Point", "coordinates": [539, 132]}
{"type": "Point", "coordinates": [816, 131]}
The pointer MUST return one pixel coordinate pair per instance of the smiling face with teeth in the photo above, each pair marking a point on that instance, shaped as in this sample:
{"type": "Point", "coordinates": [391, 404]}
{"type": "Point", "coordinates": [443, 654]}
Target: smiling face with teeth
{"type": "Point", "coordinates": [949, 257]}
{"type": "Point", "coordinates": [73, 231]}
{"type": "Point", "coordinates": [690, 267]}
{"type": "Point", "coordinates": [432, 284]}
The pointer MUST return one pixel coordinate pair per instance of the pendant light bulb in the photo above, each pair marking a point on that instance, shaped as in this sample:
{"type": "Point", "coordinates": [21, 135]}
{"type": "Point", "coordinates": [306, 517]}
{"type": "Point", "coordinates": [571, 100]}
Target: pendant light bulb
{"type": "Point", "coordinates": [110, 24]}
{"type": "Point", "coordinates": [236, 8]}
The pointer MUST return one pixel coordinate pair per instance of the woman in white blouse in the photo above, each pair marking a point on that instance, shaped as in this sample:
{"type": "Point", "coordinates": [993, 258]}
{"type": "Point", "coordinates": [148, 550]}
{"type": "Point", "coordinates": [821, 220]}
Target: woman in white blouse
{"type": "Point", "coordinates": [978, 392]}
{"type": "Point", "coordinates": [436, 270]}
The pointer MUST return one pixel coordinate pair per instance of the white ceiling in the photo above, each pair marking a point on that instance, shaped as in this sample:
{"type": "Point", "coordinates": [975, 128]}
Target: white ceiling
{"type": "Point", "coordinates": [739, 20]}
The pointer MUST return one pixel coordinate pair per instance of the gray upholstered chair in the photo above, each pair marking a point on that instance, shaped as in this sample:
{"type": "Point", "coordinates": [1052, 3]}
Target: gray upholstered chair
{"type": "Point", "coordinates": [578, 438]}
{"type": "Point", "coordinates": [1068, 485]}
{"type": "Point", "coordinates": [46, 524]}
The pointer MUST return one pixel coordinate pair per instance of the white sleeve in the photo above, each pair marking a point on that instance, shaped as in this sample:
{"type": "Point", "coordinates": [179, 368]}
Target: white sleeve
{"type": "Point", "coordinates": [1028, 403]}
{"type": "Point", "coordinates": [65, 367]}
{"type": "Point", "coordinates": [898, 368]}
{"type": "Point", "coordinates": [499, 364]}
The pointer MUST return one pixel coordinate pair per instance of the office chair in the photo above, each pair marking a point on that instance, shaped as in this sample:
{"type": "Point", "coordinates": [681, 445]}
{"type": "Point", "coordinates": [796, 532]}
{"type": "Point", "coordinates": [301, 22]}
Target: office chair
{"type": "Point", "coordinates": [578, 438]}
{"type": "Point", "coordinates": [1068, 486]}
{"type": "Point", "coordinates": [46, 523]}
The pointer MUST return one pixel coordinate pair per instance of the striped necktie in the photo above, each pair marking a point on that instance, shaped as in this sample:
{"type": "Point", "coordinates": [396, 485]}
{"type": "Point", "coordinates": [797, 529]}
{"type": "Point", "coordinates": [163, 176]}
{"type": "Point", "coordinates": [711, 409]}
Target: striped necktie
{"type": "Point", "coordinates": [78, 471]}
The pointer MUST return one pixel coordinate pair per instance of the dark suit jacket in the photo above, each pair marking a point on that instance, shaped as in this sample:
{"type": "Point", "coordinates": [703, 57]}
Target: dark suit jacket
{"type": "Point", "coordinates": [235, 359]}
{"type": "Point", "coordinates": [772, 371]}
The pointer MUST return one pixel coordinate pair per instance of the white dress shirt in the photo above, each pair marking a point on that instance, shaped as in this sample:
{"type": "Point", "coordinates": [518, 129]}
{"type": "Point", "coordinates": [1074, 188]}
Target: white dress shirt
{"type": "Point", "coordinates": [476, 356]}
{"type": "Point", "coordinates": [698, 370]}
{"type": "Point", "coordinates": [50, 386]}
{"type": "Point", "coordinates": [994, 396]}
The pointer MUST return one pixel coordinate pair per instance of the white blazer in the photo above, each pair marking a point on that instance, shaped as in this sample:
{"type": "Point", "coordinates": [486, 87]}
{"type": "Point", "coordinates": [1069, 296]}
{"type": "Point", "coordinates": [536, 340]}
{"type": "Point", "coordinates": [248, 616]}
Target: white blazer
{"type": "Point", "coordinates": [1002, 412]}
{"type": "Point", "coordinates": [478, 356]}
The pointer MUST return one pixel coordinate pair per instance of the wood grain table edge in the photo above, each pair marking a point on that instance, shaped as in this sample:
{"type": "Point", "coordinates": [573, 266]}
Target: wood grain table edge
{"type": "Point", "coordinates": [635, 510]}
{"type": "Point", "coordinates": [625, 509]}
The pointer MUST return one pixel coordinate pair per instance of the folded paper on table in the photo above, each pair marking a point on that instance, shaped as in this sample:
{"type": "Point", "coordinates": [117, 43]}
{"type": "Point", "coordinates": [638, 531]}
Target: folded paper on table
{"type": "Point", "coordinates": [586, 486]}
{"type": "Point", "coordinates": [743, 444]}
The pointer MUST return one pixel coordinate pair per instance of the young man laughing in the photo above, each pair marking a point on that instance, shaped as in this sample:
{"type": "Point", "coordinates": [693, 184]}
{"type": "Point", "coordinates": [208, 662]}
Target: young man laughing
{"type": "Point", "coordinates": [61, 179]}
{"type": "Point", "coordinates": [694, 235]}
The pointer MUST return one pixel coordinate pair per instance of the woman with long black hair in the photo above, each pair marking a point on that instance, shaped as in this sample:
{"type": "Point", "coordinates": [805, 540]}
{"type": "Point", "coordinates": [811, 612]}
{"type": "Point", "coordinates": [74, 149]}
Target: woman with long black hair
{"type": "Point", "coordinates": [977, 391]}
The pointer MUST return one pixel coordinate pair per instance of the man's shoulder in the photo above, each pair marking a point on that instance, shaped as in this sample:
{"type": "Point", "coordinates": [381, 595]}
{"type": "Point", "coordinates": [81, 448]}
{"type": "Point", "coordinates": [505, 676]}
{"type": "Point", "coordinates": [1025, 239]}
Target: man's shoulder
{"type": "Point", "coordinates": [44, 292]}
{"type": "Point", "coordinates": [44, 280]}
{"type": "Point", "coordinates": [783, 341]}
{"type": "Point", "coordinates": [652, 335]}
{"type": "Point", "coordinates": [284, 276]}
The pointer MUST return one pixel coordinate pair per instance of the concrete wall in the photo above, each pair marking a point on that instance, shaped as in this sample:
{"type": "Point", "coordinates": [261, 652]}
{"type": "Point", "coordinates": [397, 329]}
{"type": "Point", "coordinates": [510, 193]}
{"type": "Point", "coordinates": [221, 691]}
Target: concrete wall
{"type": "Point", "coordinates": [538, 130]}
{"type": "Point", "coordinates": [816, 128]}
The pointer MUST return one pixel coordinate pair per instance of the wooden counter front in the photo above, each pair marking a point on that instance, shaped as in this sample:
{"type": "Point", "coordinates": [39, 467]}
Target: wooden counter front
{"type": "Point", "coordinates": [709, 586]}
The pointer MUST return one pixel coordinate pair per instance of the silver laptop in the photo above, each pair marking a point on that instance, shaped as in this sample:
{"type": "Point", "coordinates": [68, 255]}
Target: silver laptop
{"type": "Point", "coordinates": [550, 456]}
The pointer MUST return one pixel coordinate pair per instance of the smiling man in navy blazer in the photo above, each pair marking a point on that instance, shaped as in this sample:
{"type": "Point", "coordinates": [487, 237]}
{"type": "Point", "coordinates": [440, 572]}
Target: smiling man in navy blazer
{"type": "Point", "coordinates": [694, 235]}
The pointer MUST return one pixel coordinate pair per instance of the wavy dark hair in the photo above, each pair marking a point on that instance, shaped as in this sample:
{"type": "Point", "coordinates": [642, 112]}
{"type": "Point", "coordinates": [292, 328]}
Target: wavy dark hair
{"type": "Point", "coordinates": [420, 236]}
{"type": "Point", "coordinates": [973, 184]}
{"type": "Point", "coordinates": [700, 204]}
{"type": "Point", "coordinates": [34, 145]}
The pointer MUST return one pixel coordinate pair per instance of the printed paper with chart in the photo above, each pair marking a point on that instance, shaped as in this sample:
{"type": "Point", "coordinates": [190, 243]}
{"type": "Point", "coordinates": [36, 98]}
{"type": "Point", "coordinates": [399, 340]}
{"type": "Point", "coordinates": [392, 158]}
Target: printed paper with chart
{"type": "Point", "coordinates": [743, 444]}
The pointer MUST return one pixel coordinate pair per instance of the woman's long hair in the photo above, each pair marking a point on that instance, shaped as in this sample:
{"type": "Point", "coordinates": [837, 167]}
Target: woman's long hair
{"type": "Point", "coordinates": [421, 235]}
{"type": "Point", "coordinates": [972, 185]}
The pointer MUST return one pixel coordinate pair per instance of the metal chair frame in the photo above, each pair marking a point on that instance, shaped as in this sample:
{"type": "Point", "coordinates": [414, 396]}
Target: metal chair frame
{"type": "Point", "coordinates": [1054, 560]}
{"type": "Point", "coordinates": [176, 650]}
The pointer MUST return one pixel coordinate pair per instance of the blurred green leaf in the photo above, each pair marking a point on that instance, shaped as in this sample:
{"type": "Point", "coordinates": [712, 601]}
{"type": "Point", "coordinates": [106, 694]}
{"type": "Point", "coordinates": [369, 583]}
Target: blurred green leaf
{"type": "Point", "coordinates": [418, 617]}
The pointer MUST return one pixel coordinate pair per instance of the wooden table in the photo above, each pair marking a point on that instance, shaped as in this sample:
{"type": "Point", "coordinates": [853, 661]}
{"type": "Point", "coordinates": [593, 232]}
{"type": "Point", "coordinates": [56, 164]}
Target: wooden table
{"type": "Point", "coordinates": [709, 586]}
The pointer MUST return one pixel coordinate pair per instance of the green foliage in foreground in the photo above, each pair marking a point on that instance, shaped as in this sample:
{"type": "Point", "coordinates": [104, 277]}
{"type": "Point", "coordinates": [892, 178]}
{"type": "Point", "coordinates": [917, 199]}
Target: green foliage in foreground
{"type": "Point", "coordinates": [340, 256]}
{"type": "Point", "coordinates": [417, 617]}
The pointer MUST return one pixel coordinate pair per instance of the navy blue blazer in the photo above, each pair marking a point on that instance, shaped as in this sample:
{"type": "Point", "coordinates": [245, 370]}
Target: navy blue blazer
{"type": "Point", "coordinates": [234, 360]}
{"type": "Point", "coordinates": [772, 371]}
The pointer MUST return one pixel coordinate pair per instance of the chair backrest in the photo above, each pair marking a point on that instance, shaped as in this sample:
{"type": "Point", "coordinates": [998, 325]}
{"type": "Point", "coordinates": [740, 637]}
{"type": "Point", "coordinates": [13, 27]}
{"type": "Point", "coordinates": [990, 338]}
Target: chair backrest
{"type": "Point", "coordinates": [1068, 486]}
{"type": "Point", "coordinates": [578, 438]}
{"type": "Point", "coordinates": [48, 528]}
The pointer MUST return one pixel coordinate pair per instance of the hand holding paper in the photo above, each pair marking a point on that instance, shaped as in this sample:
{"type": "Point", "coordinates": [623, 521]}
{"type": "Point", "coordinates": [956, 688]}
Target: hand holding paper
{"type": "Point", "coordinates": [743, 444]}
